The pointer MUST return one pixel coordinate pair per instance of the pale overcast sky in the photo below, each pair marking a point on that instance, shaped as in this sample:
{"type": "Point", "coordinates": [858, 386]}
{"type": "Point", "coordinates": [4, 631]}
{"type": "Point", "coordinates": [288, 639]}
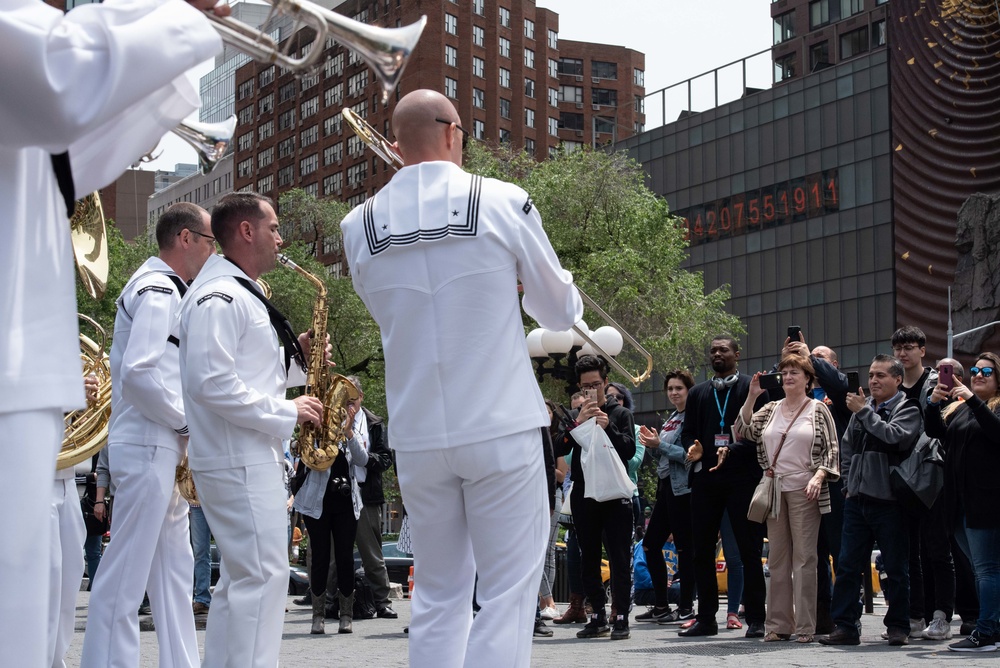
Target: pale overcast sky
{"type": "Point", "coordinates": [680, 39]}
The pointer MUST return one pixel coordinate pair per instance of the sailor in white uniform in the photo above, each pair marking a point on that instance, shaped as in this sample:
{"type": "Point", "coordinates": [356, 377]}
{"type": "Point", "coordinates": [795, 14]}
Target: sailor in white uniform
{"type": "Point", "coordinates": [101, 84]}
{"type": "Point", "coordinates": [436, 256]}
{"type": "Point", "coordinates": [236, 362]}
{"type": "Point", "coordinates": [150, 548]}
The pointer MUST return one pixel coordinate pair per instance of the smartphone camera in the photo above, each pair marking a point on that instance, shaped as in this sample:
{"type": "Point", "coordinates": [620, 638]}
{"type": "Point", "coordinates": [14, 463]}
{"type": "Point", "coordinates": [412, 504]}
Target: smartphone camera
{"type": "Point", "coordinates": [770, 381]}
{"type": "Point", "coordinates": [946, 375]}
{"type": "Point", "coordinates": [793, 332]}
{"type": "Point", "coordinates": [853, 381]}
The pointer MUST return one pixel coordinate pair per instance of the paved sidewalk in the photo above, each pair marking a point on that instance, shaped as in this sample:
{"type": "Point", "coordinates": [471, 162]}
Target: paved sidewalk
{"type": "Point", "coordinates": [382, 643]}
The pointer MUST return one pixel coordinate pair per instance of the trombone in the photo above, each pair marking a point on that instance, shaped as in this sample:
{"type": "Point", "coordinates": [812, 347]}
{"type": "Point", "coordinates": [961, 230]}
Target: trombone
{"type": "Point", "coordinates": [381, 146]}
{"type": "Point", "coordinates": [385, 50]}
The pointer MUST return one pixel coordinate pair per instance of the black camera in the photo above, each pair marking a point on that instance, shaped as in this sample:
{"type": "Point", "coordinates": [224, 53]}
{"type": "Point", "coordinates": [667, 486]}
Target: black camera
{"type": "Point", "coordinates": [341, 485]}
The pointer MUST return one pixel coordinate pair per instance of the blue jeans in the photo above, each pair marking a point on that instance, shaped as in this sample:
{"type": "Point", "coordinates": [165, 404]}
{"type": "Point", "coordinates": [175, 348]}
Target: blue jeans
{"type": "Point", "coordinates": [734, 565]}
{"type": "Point", "coordinates": [865, 522]}
{"type": "Point", "coordinates": [92, 553]}
{"type": "Point", "coordinates": [201, 543]}
{"type": "Point", "coordinates": [982, 547]}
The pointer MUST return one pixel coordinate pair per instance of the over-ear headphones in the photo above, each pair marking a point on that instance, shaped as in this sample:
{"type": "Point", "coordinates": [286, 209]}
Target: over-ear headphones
{"type": "Point", "coordinates": [728, 381]}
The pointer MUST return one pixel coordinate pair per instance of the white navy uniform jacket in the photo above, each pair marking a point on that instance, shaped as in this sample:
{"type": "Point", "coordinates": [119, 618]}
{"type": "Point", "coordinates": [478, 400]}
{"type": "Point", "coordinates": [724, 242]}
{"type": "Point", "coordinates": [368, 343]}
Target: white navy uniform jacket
{"type": "Point", "coordinates": [146, 405]}
{"type": "Point", "coordinates": [436, 256]}
{"type": "Point", "coordinates": [232, 373]}
{"type": "Point", "coordinates": [93, 83]}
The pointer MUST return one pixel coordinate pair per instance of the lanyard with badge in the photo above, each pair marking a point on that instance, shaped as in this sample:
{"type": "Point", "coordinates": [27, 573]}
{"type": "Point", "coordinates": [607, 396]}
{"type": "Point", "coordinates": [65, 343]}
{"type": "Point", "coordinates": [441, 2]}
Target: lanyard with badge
{"type": "Point", "coordinates": [722, 439]}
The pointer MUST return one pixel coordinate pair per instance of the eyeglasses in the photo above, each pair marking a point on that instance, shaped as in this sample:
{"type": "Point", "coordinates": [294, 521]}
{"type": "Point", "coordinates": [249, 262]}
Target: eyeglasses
{"type": "Point", "coordinates": [206, 236]}
{"type": "Point", "coordinates": [596, 385]}
{"type": "Point", "coordinates": [465, 133]}
{"type": "Point", "coordinates": [909, 347]}
{"type": "Point", "coordinates": [986, 371]}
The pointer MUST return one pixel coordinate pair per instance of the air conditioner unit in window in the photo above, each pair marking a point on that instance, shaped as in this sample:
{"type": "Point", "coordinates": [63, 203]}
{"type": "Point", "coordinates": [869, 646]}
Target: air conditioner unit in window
{"type": "Point", "coordinates": [579, 133]}
{"type": "Point", "coordinates": [595, 107]}
{"type": "Point", "coordinates": [579, 77]}
{"type": "Point", "coordinates": [579, 105]}
{"type": "Point", "coordinates": [595, 79]}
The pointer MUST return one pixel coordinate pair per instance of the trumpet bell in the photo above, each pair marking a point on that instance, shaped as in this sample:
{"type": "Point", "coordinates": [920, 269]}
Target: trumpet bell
{"type": "Point", "coordinates": [90, 244]}
{"type": "Point", "coordinates": [210, 140]}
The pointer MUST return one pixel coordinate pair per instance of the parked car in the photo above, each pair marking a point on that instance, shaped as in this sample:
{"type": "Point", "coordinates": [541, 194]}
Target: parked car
{"type": "Point", "coordinates": [397, 563]}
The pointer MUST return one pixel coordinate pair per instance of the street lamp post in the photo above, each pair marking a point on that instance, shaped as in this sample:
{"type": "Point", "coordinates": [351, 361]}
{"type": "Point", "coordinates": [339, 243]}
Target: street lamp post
{"type": "Point", "coordinates": [555, 353]}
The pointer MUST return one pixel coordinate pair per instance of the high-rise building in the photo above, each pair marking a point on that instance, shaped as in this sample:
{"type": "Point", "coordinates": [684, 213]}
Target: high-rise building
{"type": "Point", "coordinates": [500, 61]}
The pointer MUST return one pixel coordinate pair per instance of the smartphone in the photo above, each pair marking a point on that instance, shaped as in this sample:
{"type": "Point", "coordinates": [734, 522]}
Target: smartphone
{"type": "Point", "coordinates": [946, 375]}
{"type": "Point", "coordinates": [793, 332]}
{"type": "Point", "coordinates": [592, 394]}
{"type": "Point", "coordinates": [853, 381]}
{"type": "Point", "coordinates": [770, 381]}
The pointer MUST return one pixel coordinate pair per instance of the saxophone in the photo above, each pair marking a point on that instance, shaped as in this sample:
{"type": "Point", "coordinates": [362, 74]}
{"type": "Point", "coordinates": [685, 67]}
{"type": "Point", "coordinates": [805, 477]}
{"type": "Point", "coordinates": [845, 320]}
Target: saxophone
{"type": "Point", "coordinates": [319, 446]}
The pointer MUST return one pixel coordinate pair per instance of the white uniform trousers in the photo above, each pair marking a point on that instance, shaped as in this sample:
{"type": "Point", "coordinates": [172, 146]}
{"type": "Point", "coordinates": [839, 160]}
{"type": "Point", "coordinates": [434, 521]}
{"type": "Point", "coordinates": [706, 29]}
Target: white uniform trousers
{"type": "Point", "coordinates": [31, 441]}
{"type": "Point", "coordinates": [68, 533]}
{"type": "Point", "coordinates": [246, 509]}
{"type": "Point", "coordinates": [475, 508]}
{"type": "Point", "coordinates": [150, 551]}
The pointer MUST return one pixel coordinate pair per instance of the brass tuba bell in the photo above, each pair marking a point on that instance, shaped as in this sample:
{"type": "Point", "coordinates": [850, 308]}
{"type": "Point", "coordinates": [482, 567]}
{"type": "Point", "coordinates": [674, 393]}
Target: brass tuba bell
{"type": "Point", "coordinates": [87, 429]}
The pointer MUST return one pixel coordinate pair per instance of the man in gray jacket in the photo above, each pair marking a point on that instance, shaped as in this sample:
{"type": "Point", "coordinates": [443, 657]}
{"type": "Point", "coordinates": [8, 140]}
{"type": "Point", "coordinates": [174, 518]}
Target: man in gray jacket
{"type": "Point", "coordinates": [880, 435]}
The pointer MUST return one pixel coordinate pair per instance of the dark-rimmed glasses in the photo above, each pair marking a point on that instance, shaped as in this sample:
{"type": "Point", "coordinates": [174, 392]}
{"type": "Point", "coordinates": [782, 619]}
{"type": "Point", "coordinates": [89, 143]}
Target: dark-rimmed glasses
{"type": "Point", "coordinates": [465, 133]}
{"type": "Point", "coordinates": [200, 234]}
{"type": "Point", "coordinates": [986, 371]}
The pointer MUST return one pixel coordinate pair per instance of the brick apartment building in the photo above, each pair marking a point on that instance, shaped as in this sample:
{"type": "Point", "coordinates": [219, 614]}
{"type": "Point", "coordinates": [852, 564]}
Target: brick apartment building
{"type": "Point", "coordinates": [511, 78]}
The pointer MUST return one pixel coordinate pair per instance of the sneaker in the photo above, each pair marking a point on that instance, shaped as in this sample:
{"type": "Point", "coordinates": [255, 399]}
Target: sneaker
{"type": "Point", "coordinates": [967, 628]}
{"type": "Point", "coordinates": [541, 630]}
{"type": "Point", "coordinates": [654, 614]}
{"type": "Point", "coordinates": [917, 627]}
{"type": "Point", "coordinates": [597, 627]}
{"type": "Point", "coordinates": [976, 643]}
{"type": "Point", "coordinates": [939, 628]}
{"type": "Point", "coordinates": [678, 616]}
{"type": "Point", "coordinates": [549, 613]}
{"type": "Point", "coordinates": [199, 608]}
{"type": "Point", "coordinates": [755, 630]}
{"type": "Point", "coordinates": [620, 630]}
{"type": "Point", "coordinates": [898, 637]}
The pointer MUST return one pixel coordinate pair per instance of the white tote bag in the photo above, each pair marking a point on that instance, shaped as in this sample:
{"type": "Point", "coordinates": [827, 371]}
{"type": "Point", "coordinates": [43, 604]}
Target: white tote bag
{"type": "Point", "coordinates": [604, 474]}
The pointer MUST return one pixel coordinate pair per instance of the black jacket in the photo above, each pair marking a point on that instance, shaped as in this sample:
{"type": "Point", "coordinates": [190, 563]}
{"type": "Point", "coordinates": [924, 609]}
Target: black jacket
{"type": "Point", "coordinates": [620, 431]}
{"type": "Point", "coordinates": [379, 460]}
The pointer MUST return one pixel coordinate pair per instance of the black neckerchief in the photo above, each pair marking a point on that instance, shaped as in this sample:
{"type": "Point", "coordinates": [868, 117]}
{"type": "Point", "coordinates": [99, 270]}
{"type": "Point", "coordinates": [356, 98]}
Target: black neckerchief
{"type": "Point", "coordinates": [64, 178]}
{"type": "Point", "coordinates": [280, 324]}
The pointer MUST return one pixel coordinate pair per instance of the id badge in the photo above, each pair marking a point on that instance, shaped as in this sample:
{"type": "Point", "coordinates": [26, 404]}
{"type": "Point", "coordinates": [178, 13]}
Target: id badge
{"type": "Point", "coordinates": [722, 441]}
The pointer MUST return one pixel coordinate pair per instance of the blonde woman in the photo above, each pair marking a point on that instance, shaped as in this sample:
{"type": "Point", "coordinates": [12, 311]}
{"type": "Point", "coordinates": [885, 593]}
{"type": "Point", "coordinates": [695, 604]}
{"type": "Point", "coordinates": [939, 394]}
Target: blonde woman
{"type": "Point", "coordinates": [797, 444]}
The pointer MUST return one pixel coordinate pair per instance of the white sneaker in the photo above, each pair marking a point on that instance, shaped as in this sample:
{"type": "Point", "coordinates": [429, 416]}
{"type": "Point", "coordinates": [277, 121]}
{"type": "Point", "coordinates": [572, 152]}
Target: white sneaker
{"type": "Point", "coordinates": [917, 628]}
{"type": "Point", "coordinates": [939, 628]}
{"type": "Point", "coordinates": [549, 613]}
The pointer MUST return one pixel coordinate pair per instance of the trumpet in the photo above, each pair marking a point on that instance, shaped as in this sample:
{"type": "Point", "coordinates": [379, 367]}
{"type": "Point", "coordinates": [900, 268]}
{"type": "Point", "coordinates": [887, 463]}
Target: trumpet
{"type": "Point", "coordinates": [385, 50]}
{"type": "Point", "coordinates": [381, 146]}
{"type": "Point", "coordinates": [209, 140]}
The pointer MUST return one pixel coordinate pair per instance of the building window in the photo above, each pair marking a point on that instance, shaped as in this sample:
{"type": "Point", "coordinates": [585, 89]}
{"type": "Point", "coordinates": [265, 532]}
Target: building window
{"type": "Point", "coordinates": [312, 189]}
{"type": "Point", "coordinates": [245, 141]}
{"type": "Point", "coordinates": [333, 96]}
{"type": "Point", "coordinates": [553, 97]}
{"type": "Point", "coordinates": [819, 13]}
{"type": "Point", "coordinates": [334, 153]}
{"type": "Point", "coordinates": [819, 56]}
{"type": "Point", "coordinates": [477, 7]}
{"type": "Point", "coordinates": [309, 136]}
{"type": "Point", "coordinates": [553, 39]}
{"type": "Point", "coordinates": [603, 70]}
{"type": "Point", "coordinates": [265, 158]}
{"type": "Point", "coordinates": [286, 147]}
{"type": "Point", "coordinates": [553, 126]}
{"type": "Point", "coordinates": [604, 126]}
{"type": "Point", "coordinates": [334, 67]}
{"type": "Point", "coordinates": [529, 146]}
{"type": "Point", "coordinates": [571, 94]}
{"type": "Point", "coordinates": [265, 130]}
{"type": "Point", "coordinates": [784, 67]}
{"type": "Point", "coordinates": [529, 118]}
{"type": "Point", "coordinates": [606, 97]}
{"type": "Point", "coordinates": [504, 77]}
{"type": "Point", "coordinates": [638, 77]}
{"type": "Point", "coordinates": [355, 147]}
{"type": "Point", "coordinates": [640, 104]}
{"type": "Point", "coordinates": [246, 89]}
{"type": "Point", "coordinates": [450, 56]}
{"type": "Point", "coordinates": [854, 42]}
{"type": "Point", "coordinates": [529, 88]}
{"type": "Point", "coordinates": [504, 47]}
{"type": "Point", "coordinates": [286, 119]}
{"type": "Point", "coordinates": [479, 67]}
{"type": "Point", "coordinates": [246, 115]}
{"type": "Point", "coordinates": [267, 76]}
{"type": "Point", "coordinates": [353, 57]}
{"type": "Point", "coordinates": [310, 107]}
{"type": "Point", "coordinates": [285, 175]}
{"type": "Point", "coordinates": [878, 33]}
{"type": "Point", "coordinates": [504, 108]}
{"type": "Point", "coordinates": [309, 164]}
{"type": "Point", "coordinates": [851, 7]}
{"type": "Point", "coordinates": [529, 59]}
{"type": "Point", "coordinates": [784, 27]}
{"type": "Point", "coordinates": [266, 184]}
{"type": "Point", "coordinates": [361, 108]}
{"type": "Point", "coordinates": [504, 136]}
{"type": "Point", "coordinates": [451, 88]}
{"type": "Point", "coordinates": [332, 125]}
{"type": "Point", "coordinates": [478, 36]}
{"type": "Point", "coordinates": [244, 168]}
{"type": "Point", "coordinates": [553, 68]}
{"type": "Point", "coordinates": [570, 121]}
{"type": "Point", "coordinates": [356, 200]}
{"type": "Point", "coordinates": [331, 244]}
{"type": "Point", "coordinates": [529, 29]}
{"type": "Point", "coordinates": [505, 17]}
{"type": "Point", "coordinates": [310, 80]}
{"type": "Point", "coordinates": [478, 129]}
{"type": "Point", "coordinates": [266, 104]}
{"type": "Point", "coordinates": [478, 98]}
{"type": "Point", "coordinates": [451, 24]}
{"type": "Point", "coordinates": [286, 92]}
{"type": "Point", "coordinates": [357, 173]}
{"type": "Point", "coordinates": [571, 66]}
{"type": "Point", "coordinates": [357, 83]}
{"type": "Point", "coordinates": [333, 184]}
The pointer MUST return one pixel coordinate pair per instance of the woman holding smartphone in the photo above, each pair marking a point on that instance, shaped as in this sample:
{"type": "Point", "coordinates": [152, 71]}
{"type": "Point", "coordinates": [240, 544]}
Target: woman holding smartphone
{"type": "Point", "coordinates": [797, 445]}
{"type": "Point", "coordinates": [969, 428]}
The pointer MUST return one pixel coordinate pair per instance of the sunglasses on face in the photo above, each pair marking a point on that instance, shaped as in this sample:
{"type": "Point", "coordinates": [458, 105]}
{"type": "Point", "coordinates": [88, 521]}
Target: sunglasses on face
{"type": "Point", "coordinates": [465, 133]}
{"type": "Point", "coordinates": [986, 371]}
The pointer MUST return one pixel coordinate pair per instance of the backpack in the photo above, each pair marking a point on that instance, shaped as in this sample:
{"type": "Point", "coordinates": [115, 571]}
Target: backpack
{"type": "Point", "coordinates": [919, 478]}
{"type": "Point", "coordinates": [364, 597]}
